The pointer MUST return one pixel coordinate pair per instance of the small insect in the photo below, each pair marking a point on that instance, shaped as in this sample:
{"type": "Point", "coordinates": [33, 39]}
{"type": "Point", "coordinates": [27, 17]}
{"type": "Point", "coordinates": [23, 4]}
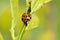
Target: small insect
{"type": "Point", "coordinates": [26, 17]}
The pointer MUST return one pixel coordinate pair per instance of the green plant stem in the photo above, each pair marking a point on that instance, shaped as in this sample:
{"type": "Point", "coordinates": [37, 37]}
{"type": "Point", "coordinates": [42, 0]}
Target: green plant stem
{"type": "Point", "coordinates": [14, 12]}
{"type": "Point", "coordinates": [22, 32]}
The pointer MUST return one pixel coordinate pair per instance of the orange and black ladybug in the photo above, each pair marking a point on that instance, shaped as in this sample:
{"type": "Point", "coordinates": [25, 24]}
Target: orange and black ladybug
{"type": "Point", "coordinates": [26, 17]}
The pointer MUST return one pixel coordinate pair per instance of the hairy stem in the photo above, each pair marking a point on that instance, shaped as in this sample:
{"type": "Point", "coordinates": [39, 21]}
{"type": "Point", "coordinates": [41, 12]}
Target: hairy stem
{"type": "Point", "coordinates": [14, 11]}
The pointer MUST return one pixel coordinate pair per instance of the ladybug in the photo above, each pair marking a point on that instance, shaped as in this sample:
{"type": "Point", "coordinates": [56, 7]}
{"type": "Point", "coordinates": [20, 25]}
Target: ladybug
{"type": "Point", "coordinates": [26, 17]}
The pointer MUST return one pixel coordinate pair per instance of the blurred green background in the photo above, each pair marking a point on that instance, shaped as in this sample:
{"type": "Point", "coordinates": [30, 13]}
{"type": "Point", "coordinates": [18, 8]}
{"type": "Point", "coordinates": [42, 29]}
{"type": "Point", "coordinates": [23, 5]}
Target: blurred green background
{"type": "Point", "coordinates": [49, 15]}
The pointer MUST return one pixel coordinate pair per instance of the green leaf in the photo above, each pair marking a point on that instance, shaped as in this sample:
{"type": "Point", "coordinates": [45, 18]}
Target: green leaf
{"type": "Point", "coordinates": [35, 22]}
{"type": "Point", "coordinates": [36, 4]}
